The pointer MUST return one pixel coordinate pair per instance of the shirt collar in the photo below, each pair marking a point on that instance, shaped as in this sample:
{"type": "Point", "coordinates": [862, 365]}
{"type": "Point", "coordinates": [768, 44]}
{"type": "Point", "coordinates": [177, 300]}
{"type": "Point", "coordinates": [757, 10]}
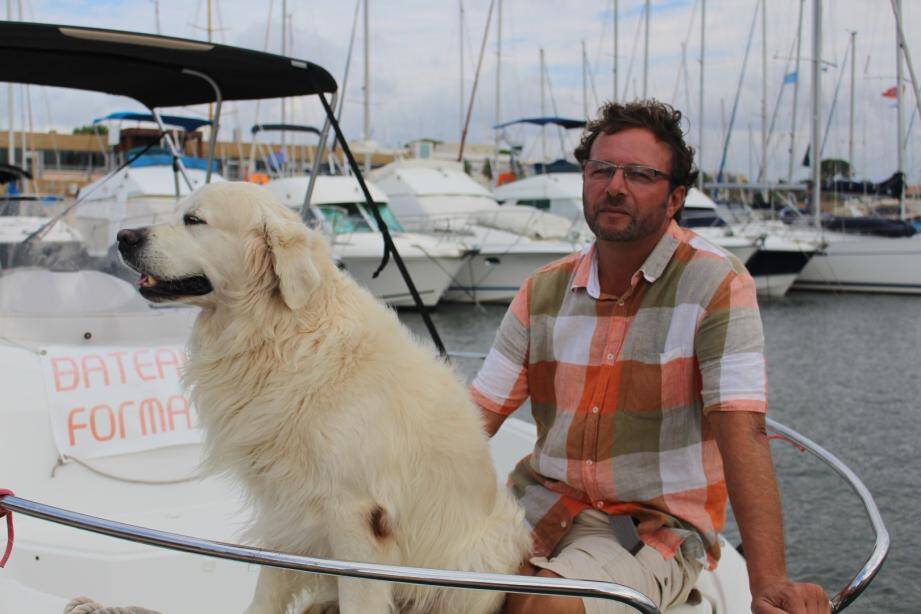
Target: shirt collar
{"type": "Point", "coordinates": [586, 274]}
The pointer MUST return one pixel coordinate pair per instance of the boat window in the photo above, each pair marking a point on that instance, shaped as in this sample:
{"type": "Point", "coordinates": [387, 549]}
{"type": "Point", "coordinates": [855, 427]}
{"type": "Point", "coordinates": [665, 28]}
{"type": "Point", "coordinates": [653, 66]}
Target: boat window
{"type": "Point", "coordinates": [345, 218]}
{"type": "Point", "coordinates": [388, 217]}
{"type": "Point", "coordinates": [696, 218]}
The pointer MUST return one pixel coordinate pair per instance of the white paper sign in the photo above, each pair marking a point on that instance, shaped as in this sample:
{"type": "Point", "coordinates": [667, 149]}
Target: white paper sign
{"type": "Point", "coordinates": [105, 401]}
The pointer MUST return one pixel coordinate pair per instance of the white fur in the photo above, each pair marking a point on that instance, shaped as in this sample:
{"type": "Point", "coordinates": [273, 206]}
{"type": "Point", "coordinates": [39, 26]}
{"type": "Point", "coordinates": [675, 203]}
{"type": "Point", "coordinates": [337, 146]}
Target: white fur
{"type": "Point", "coordinates": [314, 396]}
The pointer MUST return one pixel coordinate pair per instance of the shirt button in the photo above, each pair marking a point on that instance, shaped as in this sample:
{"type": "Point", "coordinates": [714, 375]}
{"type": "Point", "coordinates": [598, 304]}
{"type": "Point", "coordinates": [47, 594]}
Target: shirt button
{"type": "Point", "coordinates": [621, 303]}
{"type": "Point", "coordinates": [563, 524]}
{"type": "Point", "coordinates": [599, 504]}
{"type": "Point", "coordinates": [610, 356]}
{"type": "Point", "coordinates": [594, 410]}
{"type": "Point", "coordinates": [589, 462]}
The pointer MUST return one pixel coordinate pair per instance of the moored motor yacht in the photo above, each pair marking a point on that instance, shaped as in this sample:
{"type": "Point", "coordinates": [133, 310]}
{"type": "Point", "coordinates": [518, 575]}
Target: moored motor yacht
{"type": "Point", "coordinates": [338, 207]}
{"type": "Point", "coordinates": [438, 198]}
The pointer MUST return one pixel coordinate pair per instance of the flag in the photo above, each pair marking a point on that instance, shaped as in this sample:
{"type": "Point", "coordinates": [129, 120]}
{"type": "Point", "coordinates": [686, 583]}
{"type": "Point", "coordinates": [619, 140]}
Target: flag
{"type": "Point", "coordinates": [806, 157]}
{"type": "Point", "coordinates": [892, 92]}
{"type": "Point", "coordinates": [792, 77]}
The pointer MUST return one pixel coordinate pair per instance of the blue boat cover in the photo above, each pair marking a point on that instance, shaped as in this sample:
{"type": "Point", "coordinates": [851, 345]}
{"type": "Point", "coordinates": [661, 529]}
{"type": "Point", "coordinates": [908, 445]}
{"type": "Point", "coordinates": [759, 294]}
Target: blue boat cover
{"type": "Point", "coordinates": [186, 123]}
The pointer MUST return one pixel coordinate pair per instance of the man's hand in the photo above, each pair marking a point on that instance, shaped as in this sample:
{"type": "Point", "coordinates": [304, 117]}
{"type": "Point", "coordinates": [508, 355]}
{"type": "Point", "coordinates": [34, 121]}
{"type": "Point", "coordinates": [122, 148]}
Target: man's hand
{"type": "Point", "coordinates": [791, 597]}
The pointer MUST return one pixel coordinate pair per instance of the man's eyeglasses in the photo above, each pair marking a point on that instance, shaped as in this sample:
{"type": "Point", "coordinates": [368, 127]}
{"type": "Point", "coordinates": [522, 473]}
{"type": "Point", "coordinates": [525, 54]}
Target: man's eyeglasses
{"type": "Point", "coordinates": [599, 171]}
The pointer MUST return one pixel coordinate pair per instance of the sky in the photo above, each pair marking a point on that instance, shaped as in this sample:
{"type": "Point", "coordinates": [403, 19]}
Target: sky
{"type": "Point", "coordinates": [416, 90]}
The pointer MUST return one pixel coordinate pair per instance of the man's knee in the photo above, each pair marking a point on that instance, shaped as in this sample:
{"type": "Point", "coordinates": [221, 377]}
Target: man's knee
{"type": "Point", "coordinates": [516, 603]}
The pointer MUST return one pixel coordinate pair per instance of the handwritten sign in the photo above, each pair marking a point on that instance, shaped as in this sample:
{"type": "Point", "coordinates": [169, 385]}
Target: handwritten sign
{"type": "Point", "coordinates": [105, 401]}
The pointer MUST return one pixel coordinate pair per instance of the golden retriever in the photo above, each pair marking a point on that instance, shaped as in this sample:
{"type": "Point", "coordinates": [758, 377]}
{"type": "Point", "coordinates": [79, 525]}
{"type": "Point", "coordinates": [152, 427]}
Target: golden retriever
{"type": "Point", "coordinates": [351, 440]}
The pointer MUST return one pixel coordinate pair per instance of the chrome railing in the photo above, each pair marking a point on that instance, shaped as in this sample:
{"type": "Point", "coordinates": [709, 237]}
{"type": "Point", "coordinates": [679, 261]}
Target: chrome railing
{"type": "Point", "coordinates": [391, 573]}
{"type": "Point", "coordinates": [874, 561]}
{"type": "Point", "coordinates": [459, 579]}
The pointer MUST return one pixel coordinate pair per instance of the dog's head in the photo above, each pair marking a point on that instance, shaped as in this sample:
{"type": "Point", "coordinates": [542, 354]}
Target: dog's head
{"type": "Point", "coordinates": [230, 241]}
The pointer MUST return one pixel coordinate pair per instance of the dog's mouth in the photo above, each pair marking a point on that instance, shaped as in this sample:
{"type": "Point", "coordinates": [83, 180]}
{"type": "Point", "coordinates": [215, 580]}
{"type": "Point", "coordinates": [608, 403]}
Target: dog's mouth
{"type": "Point", "coordinates": [154, 289]}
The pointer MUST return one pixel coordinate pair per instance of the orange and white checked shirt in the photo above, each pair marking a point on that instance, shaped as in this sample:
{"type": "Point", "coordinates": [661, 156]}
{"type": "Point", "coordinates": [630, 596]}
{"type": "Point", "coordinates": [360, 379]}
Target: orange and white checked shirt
{"type": "Point", "coordinates": [620, 387]}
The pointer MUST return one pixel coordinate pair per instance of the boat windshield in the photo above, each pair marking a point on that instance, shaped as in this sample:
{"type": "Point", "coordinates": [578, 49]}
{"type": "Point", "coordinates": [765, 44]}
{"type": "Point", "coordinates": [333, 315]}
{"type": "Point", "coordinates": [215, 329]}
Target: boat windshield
{"type": "Point", "coordinates": [345, 218]}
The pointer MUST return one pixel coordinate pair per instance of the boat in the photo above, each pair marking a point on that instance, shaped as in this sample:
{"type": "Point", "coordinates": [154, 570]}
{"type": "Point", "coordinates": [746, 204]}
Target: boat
{"type": "Point", "coordinates": [338, 207]}
{"type": "Point", "coordinates": [146, 189]}
{"type": "Point", "coordinates": [97, 433]}
{"type": "Point", "coordinates": [778, 256]}
{"type": "Point", "coordinates": [437, 197]}
{"type": "Point", "coordinates": [25, 217]}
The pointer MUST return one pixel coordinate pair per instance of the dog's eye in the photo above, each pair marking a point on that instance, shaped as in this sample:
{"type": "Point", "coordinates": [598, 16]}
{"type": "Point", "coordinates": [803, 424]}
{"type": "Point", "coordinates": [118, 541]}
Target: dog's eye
{"type": "Point", "coordinates": [190, 220]}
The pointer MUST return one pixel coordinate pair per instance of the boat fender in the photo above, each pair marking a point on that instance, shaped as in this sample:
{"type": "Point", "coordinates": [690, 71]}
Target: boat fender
{"type": "Point", "coordinates": [9, 527]}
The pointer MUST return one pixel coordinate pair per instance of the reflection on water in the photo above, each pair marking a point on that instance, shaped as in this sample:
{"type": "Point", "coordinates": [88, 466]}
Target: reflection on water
{"type": "Point", "coordinates": [843, 370]}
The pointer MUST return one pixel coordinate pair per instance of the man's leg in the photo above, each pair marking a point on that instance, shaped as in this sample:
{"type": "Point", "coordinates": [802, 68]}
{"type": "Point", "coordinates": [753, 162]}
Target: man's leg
{"type": "Point", "coordinates": [591, 551]}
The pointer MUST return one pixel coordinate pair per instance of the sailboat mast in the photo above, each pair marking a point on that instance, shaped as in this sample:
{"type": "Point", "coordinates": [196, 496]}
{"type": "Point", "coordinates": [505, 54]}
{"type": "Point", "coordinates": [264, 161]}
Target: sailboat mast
{"type": "Point", "coordinates": [543, 112]}
{"type": "Point", "coordinates": [762, 176]}
{"type": "Point", "coordinates": [850, 131]}
{"type": "Point", "coordinates": [460, 124]}
{"type": "Point", "coordinates": [10, 139]}
{"type": "Point", "coordinates": [284, 52]}
{"type": "Point", "coordinates": [900, 115]}
{"type": "Point", "coordinates": [495, 166]}
{"type": "Point", "coordinates": [616, 15]}
{"type": "Point", "coordinates": [700, 127]}
{"type": "Point", "coordinates": [799, 44]}
{"type": "Point", "coordinates": [816, 163]}
{"type": "Point", "coordinates": [646, 52]}
{"type": "Point", "coordinates": [367, 84]}
{"type": "Point", "coordinates": [584, 83]}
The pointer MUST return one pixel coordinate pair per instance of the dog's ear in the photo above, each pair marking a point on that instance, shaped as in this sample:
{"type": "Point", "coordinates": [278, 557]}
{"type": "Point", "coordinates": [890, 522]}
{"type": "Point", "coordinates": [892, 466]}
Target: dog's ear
{"type": "Point", "coordinates": [292, 259]}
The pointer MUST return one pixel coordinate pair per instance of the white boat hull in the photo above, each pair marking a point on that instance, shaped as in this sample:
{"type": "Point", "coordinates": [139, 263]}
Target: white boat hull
{"type": "Point", "coordinates": [495, 277]}
{"type": "Point", "coordinates": [865, 264]}
{"type": "Point", "coordinates": [431, 277]}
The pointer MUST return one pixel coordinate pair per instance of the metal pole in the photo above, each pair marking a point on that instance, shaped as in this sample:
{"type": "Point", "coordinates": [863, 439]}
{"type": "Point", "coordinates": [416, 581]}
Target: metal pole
{"type": "Point", "coordinates": [584, 83]}
{"type": "Point", "coordinates": [816, 112]}
{"type": "Point", "coordinates": [900, 115]}
{"type": "Point", "coordinates": [762, 176]}
{"type": "Point", "coordinates": [179, 167]}
{"type": "Point", "coordinates": [850, 132]}
{"type": "Point", "coordinates": [646, 52]}
{"type": "Point", "coordinates": [476, 80]}
{"type": "Point", "coordinates": [284, 108]}
{"type": "Point", "coordinates": [391, 573]}
{"type": "Point", "coordinates": [616, 20]}
{"type": "Point", "coordinates": [700, 128]}
{"type": "Point", "coordinates": [543, 112]}
{"type": "Point", "coordinates": [495, 169]}
{"type": "Point", "coordinates": [911, 68]}
{"type": "Point", "coordinates": [216, 122]}
{"type": "Point", "coordinates": [10, 139]}
{"type": "Point", "coordinates": [317, 159]}
{"type": "Point", "coordinates": [367, 118]}
{"type": "Point", "coordinates": [799, 43]}
{"type": "Point", "coordinates": [460, 116]}
{"type": "Point", "coordinates": [389, 247]}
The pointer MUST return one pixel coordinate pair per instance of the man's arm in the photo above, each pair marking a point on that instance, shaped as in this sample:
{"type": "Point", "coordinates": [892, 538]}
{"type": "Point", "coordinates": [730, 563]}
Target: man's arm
{"type": "Point", "coordinates": [492, 421]}
{"type": "Point", "coordinates": [753, 492]}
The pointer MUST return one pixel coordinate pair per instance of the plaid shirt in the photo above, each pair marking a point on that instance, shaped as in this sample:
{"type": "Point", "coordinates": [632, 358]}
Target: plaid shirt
{"type": "Point", "coordinates": [619, 388]}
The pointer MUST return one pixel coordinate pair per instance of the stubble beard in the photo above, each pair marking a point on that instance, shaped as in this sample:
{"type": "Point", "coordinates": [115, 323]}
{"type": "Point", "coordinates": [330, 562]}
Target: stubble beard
{"type": "Point", "coordinates": [637, 228]}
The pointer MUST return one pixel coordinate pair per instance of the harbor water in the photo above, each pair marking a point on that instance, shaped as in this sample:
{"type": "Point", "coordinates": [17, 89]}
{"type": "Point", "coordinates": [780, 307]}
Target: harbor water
{"type": "Point", "coordinates": [843, 370]}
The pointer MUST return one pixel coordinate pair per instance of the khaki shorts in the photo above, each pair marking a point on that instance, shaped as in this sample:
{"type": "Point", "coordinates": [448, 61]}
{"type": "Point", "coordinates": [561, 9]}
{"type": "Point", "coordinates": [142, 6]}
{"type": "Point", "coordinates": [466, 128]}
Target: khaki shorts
{"type": "Point", "coordinates": [591, 551]}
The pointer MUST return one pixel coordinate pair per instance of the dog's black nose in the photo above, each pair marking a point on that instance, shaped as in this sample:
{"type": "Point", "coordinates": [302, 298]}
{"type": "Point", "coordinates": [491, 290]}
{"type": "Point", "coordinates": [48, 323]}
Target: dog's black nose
{"type": "Point", "coordinates": [130, 238]}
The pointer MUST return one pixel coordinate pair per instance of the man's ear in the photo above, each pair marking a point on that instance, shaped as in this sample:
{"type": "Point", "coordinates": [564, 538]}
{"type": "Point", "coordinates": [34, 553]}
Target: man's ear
{"type": "Point", "coordinates": [292, 259]}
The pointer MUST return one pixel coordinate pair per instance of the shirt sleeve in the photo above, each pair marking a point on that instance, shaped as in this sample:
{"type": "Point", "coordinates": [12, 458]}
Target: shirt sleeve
{"type": "Point", "coordinates": [501, 386]}
{"type": "Point", "coordinates": [729, 345]}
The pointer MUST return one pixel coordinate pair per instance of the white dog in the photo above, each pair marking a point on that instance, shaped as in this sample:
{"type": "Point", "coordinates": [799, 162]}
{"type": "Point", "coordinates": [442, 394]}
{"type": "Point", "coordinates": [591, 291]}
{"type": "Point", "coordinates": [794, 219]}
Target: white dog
{"type": "Point", "coordinates": [352, 441]}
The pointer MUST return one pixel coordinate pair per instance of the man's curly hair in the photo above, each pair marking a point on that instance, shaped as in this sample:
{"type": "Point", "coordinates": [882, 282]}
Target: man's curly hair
{"type": "Point", "coordinates": [663, 120]}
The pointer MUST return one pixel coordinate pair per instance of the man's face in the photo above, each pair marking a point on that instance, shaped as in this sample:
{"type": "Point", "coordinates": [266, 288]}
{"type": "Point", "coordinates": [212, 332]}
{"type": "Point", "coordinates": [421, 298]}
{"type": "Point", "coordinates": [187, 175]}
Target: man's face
{"type": "Point", "coordinates": [624, 209]}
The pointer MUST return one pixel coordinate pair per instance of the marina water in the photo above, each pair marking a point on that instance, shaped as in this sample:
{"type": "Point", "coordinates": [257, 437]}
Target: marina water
{"type": "Point", "coordinates": [843, 370]}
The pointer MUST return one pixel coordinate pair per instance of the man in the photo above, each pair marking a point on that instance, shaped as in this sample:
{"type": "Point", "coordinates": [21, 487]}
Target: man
{"type": "Point", "coordinates": [643, 358]}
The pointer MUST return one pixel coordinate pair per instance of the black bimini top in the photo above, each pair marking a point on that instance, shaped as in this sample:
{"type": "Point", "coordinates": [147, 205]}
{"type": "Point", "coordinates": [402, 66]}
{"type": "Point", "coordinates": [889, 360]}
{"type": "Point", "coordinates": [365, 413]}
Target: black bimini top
{"type": "Point", "coordinates": [149, 68]}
